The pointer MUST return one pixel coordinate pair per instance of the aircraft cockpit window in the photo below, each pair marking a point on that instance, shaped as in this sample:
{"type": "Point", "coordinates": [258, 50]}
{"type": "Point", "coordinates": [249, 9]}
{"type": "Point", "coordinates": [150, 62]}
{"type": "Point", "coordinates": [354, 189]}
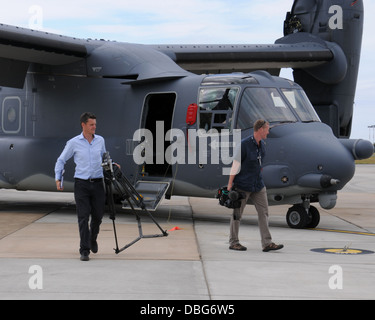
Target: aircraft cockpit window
{"type": "Point", "coordinates": [263, 103]}
{"type": "Point", "coordinates": [301, 104]}
{"type": "Point", "coordinates": [216, 108]}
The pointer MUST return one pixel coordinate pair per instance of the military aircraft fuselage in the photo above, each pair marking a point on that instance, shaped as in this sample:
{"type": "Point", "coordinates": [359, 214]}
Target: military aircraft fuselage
{"type": "Point", "coordinates": [303, 155]}
{"type": "Point", "coordinates": [177, 113]}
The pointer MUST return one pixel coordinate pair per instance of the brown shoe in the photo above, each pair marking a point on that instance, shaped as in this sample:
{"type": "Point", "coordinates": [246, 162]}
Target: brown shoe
{"type": "Point", "coordinates": [237, 247]}
{"type": "Point", "coordinates": [273, 246]}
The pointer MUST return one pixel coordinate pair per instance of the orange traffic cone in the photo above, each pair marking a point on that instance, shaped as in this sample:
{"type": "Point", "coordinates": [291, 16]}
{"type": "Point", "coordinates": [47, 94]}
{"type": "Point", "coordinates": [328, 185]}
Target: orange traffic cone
{"type": "Point", "coordinates": [175, 228]}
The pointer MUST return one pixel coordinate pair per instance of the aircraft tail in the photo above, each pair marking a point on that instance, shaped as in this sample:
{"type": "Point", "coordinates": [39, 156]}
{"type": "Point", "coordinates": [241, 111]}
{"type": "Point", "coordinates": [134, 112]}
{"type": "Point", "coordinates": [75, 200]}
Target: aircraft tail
{"type": "Point", "coordinates": [331, 87]}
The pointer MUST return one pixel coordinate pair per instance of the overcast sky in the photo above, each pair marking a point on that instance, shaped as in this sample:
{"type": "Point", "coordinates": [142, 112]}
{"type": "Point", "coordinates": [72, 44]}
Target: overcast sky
{"type": "Point", "coordinates": [188, 22]}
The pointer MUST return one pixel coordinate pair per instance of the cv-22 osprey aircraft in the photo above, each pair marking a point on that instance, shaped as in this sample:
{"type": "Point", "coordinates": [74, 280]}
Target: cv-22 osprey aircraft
{"type": "Point", "coordinates": [173, 114]}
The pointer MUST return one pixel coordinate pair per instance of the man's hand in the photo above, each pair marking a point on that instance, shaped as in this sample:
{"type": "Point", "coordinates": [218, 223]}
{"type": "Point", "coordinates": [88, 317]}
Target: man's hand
{"type": "Point", "coordinates": [58, 185]}
{"type": "Point", "coordinates": [230, 185]}
{"type": "Point", "coordinates": [236, 167]}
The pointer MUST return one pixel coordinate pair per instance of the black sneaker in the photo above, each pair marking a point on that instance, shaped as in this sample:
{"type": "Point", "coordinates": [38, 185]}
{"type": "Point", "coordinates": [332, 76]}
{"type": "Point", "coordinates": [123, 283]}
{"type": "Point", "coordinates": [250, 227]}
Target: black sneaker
{"type": "Point", "coordinates": [94, 246]}
{"type": "Point", "coordinates": [85, 256]}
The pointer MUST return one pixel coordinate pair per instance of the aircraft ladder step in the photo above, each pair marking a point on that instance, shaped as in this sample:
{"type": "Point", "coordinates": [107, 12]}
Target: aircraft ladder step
{"type": "Point", "coordinates": [153, 193]}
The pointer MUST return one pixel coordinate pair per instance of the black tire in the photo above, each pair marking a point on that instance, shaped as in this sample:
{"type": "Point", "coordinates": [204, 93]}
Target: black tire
{"type": "Point", "coordinates": [297, 217]}
{"type": "Point", "coordinates": [314, 218]}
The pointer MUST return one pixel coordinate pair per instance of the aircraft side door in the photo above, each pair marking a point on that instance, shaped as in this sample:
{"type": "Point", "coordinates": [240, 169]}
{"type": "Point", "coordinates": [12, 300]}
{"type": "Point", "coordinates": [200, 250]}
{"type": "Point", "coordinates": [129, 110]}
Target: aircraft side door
{"type": "Point", "coordinates": [211, 145]}
{"type": "Point", "coordinates": [157, 118]}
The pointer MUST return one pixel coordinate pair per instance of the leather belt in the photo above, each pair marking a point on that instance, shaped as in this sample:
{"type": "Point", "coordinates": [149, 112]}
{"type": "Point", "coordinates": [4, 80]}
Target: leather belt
{"type": "Point", "coordinates": [91, 180]}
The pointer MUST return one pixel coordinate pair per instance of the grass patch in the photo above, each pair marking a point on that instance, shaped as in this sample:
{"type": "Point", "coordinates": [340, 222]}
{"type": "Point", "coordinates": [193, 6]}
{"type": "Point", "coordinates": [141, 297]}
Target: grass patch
{"type": "Point", "coordinates": [366, 161]}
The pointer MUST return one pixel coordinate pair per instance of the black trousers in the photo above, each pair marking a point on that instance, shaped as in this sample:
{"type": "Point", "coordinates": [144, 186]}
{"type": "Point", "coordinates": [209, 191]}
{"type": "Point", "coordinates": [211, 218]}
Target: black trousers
{"type": "Point", "coordinates": [90, 201]}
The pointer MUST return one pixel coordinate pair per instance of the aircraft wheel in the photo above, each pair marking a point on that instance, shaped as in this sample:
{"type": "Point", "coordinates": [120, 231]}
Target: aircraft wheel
{"type": "Point", "coordinates": [297, 217]}
{"type": "Point", "coordinates": [314, 217]}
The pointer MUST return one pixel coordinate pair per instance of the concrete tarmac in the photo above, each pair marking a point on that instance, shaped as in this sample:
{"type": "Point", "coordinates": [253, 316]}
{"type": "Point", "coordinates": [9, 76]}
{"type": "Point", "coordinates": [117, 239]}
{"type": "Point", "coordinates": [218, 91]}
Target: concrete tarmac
{"type": "Point", "coordinates": [39, 256]}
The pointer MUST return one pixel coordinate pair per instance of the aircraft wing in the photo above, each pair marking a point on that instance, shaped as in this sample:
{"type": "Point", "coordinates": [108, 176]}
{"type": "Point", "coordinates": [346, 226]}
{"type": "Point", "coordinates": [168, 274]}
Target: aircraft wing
{"type": "Point", "coordinates": [19, 47]}
{"type": "Point", "coordinates": [39, 47]}
{"type": "Point", "coordinates": [289, 52]}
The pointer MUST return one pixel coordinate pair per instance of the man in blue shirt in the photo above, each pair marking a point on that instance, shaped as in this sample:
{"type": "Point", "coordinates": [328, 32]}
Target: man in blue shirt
{"type": "Point", "coordinates": [87, 150]}
{"type": "Point", "coordinates": [246, 176]}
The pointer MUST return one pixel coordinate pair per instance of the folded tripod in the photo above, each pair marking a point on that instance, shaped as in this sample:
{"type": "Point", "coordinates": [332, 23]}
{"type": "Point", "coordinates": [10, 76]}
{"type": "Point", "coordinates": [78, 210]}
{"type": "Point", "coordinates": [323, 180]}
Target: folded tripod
{"type": "Point", "coordinates": [114, 177]}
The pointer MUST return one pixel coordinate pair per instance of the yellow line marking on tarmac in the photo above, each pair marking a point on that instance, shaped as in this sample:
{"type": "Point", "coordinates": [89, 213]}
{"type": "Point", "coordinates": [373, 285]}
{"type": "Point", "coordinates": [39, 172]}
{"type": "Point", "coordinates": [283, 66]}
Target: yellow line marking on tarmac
{"type": "Point", "coordinates": [346, 231]}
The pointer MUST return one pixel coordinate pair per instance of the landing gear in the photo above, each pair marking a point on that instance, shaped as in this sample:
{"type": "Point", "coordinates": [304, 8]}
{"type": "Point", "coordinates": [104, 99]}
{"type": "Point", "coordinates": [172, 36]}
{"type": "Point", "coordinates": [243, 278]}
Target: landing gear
{"type": "Point", "coordinates": [303, 216]}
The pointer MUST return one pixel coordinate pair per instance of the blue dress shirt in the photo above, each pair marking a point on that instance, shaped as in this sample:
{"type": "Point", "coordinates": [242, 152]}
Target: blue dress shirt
{"type": "Point", "coordinates": [87, 157]}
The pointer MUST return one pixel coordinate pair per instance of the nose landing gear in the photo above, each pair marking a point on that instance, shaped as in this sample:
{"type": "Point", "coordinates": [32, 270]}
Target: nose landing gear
{"type": "Point", "coordinates": [303, 216]}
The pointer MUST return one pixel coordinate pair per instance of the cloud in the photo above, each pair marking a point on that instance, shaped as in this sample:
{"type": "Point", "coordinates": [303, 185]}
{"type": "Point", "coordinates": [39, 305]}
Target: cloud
{"type": "Point", "coordinates": [148, 21]}
{"type": "Point", "coordinates": [190, 22]}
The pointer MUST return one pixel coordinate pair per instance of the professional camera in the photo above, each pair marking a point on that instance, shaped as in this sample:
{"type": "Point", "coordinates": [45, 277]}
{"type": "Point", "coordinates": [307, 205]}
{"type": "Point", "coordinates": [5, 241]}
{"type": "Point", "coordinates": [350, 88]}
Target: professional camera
{"type": "Point", "coordinates": [107, 163]}
{"type": "Point", "coordinates": [229, 199]}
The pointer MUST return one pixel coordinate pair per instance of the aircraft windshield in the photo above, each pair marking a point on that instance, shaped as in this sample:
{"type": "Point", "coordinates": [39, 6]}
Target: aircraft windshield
{"type": "Point", "coordinates": [269, 104]}
{"type": "Point", "coordinates": [263, 103]}
{"type": "Point", "coordinates": [301, 104]}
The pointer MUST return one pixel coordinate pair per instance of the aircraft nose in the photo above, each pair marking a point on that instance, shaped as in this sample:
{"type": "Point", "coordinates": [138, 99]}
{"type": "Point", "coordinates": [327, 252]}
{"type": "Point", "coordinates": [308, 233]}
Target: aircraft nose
{"type": "Point", "coordinates": [330, 162]}
{"type": "Point", "coordinates": [311, 157]}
